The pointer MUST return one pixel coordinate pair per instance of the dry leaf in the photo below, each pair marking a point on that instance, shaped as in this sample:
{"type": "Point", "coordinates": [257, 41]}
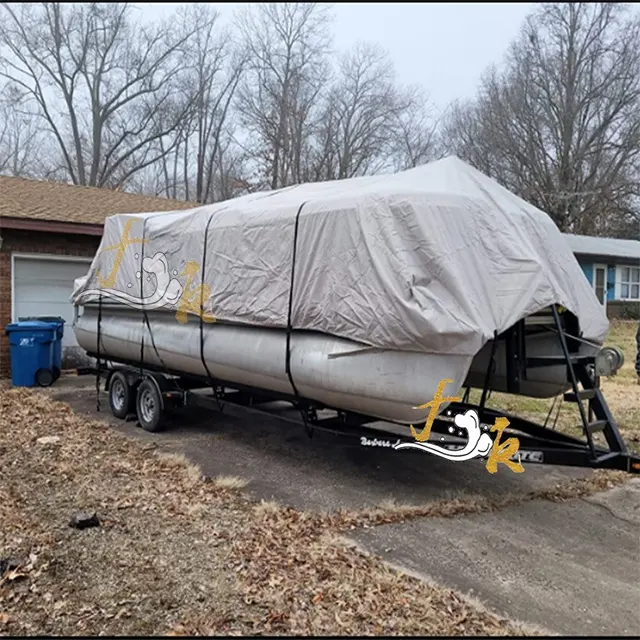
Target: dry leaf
{"type": "Point", "coordinates": [14, 574]}
{"type": "Point", "coordinates": [365, 596]}
{"type": "Point", "coordinates": [178, 630]}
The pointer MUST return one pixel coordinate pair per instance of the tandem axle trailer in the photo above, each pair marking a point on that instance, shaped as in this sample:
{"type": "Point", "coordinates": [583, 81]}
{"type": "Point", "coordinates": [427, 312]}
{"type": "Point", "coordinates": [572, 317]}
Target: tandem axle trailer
{"type": "Point", "coordinates": [148, 392]}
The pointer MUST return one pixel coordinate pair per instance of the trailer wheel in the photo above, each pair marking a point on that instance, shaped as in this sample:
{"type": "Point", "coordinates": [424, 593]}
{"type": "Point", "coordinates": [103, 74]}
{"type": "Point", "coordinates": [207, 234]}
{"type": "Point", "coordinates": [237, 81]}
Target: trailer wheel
{"type": "Point", "coordinates": [121, 400]}
{"type": "Point", "coordinates": [149, 406]}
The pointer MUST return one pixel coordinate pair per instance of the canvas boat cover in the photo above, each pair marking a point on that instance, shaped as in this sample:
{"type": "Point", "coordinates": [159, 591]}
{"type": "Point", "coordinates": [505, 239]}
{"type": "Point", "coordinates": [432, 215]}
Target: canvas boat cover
{"type": "Point", "coordinates": [433, 259]}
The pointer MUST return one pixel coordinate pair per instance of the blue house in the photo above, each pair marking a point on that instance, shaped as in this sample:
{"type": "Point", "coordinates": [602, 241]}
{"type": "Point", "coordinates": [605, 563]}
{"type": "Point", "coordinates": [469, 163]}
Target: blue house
{"type": "Point", "coordinates": [612, 267]}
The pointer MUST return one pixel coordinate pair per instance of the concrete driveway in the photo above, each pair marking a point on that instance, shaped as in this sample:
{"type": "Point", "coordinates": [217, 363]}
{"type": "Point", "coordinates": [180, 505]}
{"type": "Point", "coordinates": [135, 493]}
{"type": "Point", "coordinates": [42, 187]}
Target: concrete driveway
{"type": "Point", "coordinates": [571, 568]}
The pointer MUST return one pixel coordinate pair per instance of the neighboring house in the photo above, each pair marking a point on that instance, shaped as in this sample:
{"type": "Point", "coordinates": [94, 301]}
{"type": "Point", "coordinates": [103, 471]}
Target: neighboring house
{"type": "Point", "coordinates": [49, 233]}
{"type": "Point", "coordinates": [612, 267]}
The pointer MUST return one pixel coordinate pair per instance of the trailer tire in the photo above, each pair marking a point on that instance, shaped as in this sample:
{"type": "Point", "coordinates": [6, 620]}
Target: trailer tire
{"type": "Point", "coordinates": [121, 396]}
{"type": "Point", "coordinates": [149, 406]}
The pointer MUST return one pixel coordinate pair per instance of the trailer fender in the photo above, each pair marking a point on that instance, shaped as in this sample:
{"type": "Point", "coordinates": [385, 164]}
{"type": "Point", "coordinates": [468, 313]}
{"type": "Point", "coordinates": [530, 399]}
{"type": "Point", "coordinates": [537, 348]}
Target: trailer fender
{"type": "Point", "coordinates": [133, 378]}
{"type": "Point", "coordinates": [158, 381]}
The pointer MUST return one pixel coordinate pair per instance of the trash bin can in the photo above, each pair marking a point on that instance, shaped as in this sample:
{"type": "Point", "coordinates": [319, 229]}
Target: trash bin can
{"type": "Point", "coordinates": [32, 345]}
{"type": "Point", "coordinates": [57, 349]}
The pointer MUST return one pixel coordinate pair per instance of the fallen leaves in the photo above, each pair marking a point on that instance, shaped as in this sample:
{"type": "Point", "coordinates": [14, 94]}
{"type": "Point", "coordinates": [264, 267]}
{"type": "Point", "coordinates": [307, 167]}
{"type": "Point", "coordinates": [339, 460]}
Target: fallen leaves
{"type": "Point", "coordinates": [12, 575]}
{"type": "Point", "coordinates": [323, 587]}
{"type": "Point", "coordinates": [48, 440]}
{"type": "Point", "coordinates": [12, 569]}
{"type": "Point", "coordinates": [177, 555]}
{"type": "Point", "coordinates": [137, 573]}
{"type": "Point", "coordinates": [286, 555]}
{"type": "Point", "coordinates": [178, 630]}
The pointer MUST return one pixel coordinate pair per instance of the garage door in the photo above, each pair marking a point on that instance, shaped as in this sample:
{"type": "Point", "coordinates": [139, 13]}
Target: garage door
{"type": "Point", "coordinates": [42, 288]}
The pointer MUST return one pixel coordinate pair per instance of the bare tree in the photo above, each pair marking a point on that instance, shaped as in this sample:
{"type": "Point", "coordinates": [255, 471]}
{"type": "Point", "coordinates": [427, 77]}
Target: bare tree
{"type": "Point", "coordinates": [287, 45]}
{"type": "Point", "coordinates": [363, 114]}
{"type": "Point", "coordinates": [98, 82]}
{"type": "Point", "coordinates": [415, 131]}
{"type": "Point", "coordinates": [230, 177]}
{"type": "Point", "coordinates": [560, 125]}
{"type": "Point", "coordinates": [210, 79]}
{"type": "Point", "coordinates": [462, 133]}
{"type": "Point", "coordinates": [21, 143]}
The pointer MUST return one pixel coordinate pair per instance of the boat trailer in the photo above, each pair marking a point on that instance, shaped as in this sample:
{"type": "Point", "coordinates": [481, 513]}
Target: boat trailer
{"type": "Point", "coordinates": [147, 392]}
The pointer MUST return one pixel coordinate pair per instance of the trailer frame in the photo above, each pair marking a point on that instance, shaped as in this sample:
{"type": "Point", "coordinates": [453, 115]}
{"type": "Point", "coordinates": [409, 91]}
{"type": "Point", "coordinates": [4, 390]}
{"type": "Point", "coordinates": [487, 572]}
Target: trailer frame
{"type": "Point", "coordinates": [539, 444]}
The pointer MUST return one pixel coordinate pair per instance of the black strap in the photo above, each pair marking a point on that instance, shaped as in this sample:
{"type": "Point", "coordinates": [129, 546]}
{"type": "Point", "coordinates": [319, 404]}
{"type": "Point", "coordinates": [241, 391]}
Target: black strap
{"type": "Point", "coordinates": [309, 429]}
{"type": "Point", "coordinates": [290, 310]}
{"type": "Point", "coordinates": [488, 375]}
{"type": "Point", "coordinates": [202, 358]}
{"type": "Point", "coordinates": [153, 344]}
{"type": "Point", "coordinates": [98, 353]}
{"type": "Point", "coordinates": [144, 315]}
{"type": "Point", "coordinates": [145, 321]}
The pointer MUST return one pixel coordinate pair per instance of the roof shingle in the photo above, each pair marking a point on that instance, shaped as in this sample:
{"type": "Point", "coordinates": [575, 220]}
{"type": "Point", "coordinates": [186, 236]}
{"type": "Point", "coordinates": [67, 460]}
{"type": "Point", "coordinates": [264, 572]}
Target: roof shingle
{"type": "Point", "coordinates": [613, 247]}
{"type": "Point", "coordinates": [59, 202]}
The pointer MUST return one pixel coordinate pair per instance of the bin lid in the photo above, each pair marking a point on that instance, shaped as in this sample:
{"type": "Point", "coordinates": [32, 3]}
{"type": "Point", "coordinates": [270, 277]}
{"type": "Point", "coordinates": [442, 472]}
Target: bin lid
{"type": "Point", "coordinates": [54, 319]}
{"type": "Point", "coordinates": [31, 325]}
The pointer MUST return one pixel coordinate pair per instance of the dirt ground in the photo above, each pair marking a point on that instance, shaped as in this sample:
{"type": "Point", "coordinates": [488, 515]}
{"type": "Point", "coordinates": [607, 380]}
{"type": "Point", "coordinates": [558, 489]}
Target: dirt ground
{"type": "Point", "coordinates": [182, 554]}
{"type": "Point", "coordinates": [177, 553]}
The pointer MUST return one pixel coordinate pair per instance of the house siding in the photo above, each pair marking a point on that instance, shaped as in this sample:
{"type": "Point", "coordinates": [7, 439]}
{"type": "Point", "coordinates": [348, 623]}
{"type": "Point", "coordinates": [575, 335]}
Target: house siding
{"type": "Point", "coordinates": [587, 264]}
{"type": "Point", "coordinates": [611, 282]}
{"type": "Point", "coordinates": [587, 268]}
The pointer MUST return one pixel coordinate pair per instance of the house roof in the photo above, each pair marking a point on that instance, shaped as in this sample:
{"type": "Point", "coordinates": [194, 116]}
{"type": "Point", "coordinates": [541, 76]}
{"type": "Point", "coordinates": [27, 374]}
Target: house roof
{"type": "Point", "coordinates": [613, 247]}
{"type": "Point", "coordinates": [39, 200]}
{"type": "Point", "coordinates": [25, 200]}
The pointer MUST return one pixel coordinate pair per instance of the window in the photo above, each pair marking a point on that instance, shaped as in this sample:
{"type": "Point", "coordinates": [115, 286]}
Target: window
{"type": "Point", "coordinates": [629, 283]}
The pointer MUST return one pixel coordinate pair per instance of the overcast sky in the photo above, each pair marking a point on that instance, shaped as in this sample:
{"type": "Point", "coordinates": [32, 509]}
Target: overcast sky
{"type": "Point", "coordinates": [443, 47]}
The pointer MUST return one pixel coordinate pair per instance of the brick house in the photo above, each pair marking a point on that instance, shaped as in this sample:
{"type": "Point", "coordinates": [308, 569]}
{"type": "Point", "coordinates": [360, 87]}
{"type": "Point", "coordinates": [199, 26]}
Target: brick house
{"type": "Point", "coordinates": [49, 233]}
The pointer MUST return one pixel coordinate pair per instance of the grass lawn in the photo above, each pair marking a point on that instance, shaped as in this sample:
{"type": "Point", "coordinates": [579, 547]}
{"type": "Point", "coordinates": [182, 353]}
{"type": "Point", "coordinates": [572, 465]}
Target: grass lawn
{"type": "Point", "coordinates": [622, 393]}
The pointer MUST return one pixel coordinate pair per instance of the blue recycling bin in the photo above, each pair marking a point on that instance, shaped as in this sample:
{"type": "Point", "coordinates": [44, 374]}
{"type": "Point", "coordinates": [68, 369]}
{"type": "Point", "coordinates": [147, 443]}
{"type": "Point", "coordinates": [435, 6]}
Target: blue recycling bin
{"type": "Point", "coordinates": [33, 352]}
{"type": "Point", "coordinates": [57, 349]}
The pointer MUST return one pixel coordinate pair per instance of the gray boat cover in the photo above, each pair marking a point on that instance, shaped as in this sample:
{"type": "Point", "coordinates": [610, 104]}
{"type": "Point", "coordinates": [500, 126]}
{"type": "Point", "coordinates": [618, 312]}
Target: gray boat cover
{"type": "Point", "coordinates": [433, 259]}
